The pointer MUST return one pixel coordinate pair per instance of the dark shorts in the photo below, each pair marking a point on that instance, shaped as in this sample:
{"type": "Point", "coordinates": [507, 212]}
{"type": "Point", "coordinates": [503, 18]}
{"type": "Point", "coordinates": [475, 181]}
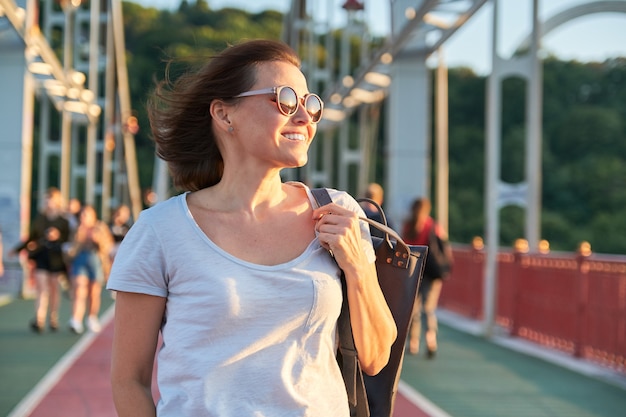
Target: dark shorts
{"type": "Point", "coordinates": [49, 259]}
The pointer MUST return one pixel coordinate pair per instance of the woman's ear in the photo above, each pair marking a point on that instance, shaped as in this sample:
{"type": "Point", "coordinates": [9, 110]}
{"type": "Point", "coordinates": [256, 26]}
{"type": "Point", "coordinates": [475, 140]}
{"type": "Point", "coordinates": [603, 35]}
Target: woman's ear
{"type": "Point", "coordinates": [220, 113]}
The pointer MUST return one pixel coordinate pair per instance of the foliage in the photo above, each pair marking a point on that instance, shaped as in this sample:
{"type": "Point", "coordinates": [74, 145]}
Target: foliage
{"type": "Point", "coordinates": [584, 154]}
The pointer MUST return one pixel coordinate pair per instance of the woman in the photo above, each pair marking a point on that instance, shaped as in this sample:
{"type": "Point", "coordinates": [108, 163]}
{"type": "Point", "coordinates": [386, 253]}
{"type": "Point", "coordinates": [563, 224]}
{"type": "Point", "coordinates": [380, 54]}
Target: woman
{"type": "Point", "coordinates": [418, 229]}
{"type": "Point", "coordinates": [236, 273]}
{"type": "Point", "coordinates": [90, 266]}
{"type": "Point", "coordinates": [49, 231]}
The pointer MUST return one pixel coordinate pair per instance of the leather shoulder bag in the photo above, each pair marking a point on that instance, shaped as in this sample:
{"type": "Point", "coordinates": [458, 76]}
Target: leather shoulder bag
{"type": "Point", "coordinates": [400, 268]}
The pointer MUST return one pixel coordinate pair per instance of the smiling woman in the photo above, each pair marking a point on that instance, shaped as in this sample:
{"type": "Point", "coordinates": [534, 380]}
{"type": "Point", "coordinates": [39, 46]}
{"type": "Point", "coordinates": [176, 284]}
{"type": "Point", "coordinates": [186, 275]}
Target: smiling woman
{"type": "Point", "coordinates": [236, 273]}
{"type": "Point", "coordinates": [183, 109]}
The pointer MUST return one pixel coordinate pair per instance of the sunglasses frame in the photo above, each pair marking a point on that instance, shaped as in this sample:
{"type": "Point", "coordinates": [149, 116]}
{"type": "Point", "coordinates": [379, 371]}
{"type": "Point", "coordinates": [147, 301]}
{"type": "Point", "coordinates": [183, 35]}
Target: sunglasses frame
{"type": "Point", "coordinates": [300, 100]}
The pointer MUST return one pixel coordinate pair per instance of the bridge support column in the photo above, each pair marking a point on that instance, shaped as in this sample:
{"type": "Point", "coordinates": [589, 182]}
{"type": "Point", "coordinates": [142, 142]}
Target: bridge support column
{"type": "Point", "coordinates": [408, 152]}
{"type": "Point", "coordinates": [16, 115]}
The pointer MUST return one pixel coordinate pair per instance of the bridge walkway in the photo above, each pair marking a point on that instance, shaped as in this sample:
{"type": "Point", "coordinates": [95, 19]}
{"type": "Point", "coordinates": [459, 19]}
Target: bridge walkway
{"type": "Point", "coordinates": [64, 375]}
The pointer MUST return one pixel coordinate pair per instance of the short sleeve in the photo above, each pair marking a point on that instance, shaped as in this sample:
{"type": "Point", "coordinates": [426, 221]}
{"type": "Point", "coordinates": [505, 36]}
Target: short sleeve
{"type": "Point", "coordinates": [139, 264]}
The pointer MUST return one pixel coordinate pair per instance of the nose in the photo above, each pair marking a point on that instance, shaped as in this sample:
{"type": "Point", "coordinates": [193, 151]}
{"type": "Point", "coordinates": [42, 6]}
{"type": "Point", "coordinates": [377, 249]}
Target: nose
{"type": "Point", "coordinates": [301, 111]}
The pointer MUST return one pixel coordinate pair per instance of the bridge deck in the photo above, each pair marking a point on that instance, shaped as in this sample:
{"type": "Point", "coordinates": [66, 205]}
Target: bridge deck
{"type": "Point", "coordinates": [65, 375]}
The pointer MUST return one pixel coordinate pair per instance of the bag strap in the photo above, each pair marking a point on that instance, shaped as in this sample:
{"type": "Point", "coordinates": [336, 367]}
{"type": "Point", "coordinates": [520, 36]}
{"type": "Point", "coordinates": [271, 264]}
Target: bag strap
{"type": "Point", "coordinates": [402, 253]}
{"type": "Point", "coordinates": [401, 256]}
{"type": "Point", "coordinates": [350, 368]}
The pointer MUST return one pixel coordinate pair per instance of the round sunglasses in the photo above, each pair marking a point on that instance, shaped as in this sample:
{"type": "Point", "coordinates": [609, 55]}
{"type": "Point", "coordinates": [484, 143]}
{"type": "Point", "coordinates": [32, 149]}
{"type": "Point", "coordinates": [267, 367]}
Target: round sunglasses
{"type": "Point", "coordinates": [287, 101]}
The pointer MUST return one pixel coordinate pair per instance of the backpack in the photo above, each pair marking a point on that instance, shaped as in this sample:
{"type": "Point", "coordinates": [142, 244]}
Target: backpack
{"type": "Point", "coordinates": [438, 264]}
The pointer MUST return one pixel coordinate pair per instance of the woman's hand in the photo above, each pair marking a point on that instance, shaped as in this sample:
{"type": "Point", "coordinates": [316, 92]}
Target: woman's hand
{"type": "Point", "coordinates": [340, 234]}
{"type": "Point", "coordinates": [373, 326]}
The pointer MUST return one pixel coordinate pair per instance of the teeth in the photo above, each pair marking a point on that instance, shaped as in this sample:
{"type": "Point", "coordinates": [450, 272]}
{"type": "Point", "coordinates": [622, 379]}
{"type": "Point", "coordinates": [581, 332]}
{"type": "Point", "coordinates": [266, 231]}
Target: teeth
{"type": "Point", "coordinates": [294, 136]}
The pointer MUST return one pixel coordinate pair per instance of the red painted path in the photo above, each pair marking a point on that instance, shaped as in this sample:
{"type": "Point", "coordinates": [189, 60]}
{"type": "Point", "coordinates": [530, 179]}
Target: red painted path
{"type": "Point", "coordinates": [79, 385]}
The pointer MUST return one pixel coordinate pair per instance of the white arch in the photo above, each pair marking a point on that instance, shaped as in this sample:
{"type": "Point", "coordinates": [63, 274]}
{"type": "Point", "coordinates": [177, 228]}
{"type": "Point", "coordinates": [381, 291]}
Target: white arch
{"type": "Point", "coordinates": [608, 6]}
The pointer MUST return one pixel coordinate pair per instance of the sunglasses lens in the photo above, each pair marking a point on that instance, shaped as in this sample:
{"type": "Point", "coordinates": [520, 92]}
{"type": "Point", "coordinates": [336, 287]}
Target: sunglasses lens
{"type": "Point", "coordinates": [287, 101]}
{"type": "Point", "coordinates": [313, 105]}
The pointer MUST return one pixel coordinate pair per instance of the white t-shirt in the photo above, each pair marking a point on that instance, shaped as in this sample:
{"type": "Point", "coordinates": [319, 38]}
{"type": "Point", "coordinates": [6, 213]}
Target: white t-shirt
{"type": "Point", "coordinates": [239, 339]}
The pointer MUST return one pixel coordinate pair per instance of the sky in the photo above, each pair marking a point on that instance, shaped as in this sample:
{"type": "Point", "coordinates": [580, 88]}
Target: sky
{"type": "Point", "coordinates": [593, 37]}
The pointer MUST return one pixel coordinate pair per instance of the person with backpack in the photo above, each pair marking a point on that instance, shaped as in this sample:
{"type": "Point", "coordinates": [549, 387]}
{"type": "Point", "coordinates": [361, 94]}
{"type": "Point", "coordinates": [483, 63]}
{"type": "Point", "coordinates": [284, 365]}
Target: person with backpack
{"type": "Point", "coordinates": [421, 229]}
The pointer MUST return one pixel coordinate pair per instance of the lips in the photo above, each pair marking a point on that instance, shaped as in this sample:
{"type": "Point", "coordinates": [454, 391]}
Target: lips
{"type": "Point", "coordinates": [295, 136]}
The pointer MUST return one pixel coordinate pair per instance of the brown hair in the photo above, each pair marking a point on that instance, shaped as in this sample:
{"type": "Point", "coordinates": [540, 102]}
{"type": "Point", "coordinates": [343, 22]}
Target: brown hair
{"type": "Point", "coordinates": [179, 114]}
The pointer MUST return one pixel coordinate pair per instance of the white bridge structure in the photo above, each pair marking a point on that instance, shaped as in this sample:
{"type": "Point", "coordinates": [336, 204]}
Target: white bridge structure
{"type": "Point", "coordinates": [80, 107]}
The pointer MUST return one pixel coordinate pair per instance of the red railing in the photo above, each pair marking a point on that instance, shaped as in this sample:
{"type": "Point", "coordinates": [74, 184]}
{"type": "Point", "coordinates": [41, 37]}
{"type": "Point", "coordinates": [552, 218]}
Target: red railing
{"type": "Point", "coordinates": [573, 303]}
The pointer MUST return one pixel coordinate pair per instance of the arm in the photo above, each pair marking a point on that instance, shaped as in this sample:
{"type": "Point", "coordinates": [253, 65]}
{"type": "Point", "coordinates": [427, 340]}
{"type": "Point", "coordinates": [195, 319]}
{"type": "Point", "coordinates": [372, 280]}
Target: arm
{"type": "Point", "coordinates": [31, 242]}
{"type": "Point", "coordinates": [137, 322]}
{"type": "Point", "coordinates": [373, 327]}
{"type": "Point", "coordinates": [104, 238]}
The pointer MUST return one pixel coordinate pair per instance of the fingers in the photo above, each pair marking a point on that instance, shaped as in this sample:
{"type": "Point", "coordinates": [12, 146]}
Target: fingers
{"type": "Point", "coordinates": [338, 230]}
{"type": "Point", "coordinates": [332, 214]}
{"type": "Point", "coordinates": [321, 220]}
{"type": "Point", "coordinates": [326, 219]}
{"type": "Point", "coordinates": [330, 209]}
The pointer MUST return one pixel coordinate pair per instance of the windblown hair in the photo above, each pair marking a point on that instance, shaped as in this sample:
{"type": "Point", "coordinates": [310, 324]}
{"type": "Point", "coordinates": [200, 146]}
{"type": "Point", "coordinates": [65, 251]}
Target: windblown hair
{"type": "Point", "coordinates": [179, 114]}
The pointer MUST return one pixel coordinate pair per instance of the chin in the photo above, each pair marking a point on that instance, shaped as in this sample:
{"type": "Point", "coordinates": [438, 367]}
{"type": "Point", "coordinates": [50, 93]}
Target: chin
{"type": "Point", "coordinates": [298, 164]}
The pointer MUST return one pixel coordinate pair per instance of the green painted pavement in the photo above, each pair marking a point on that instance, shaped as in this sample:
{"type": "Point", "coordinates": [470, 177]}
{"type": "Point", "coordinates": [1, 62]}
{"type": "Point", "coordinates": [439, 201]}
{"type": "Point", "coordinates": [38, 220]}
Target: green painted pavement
{"type": "Point", "coordinates": [25, 356]}
{"type": "Point", "coordinates": [473, 377]}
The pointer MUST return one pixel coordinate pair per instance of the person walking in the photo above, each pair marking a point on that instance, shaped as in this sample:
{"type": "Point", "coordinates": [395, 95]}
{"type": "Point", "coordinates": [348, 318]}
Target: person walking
{"type": "Point", "coordinates": [90, 253]}
{"type": "Point", "coordinates": [421, 229]}
{"type": "Point", "coordinates": [49, 231]}
{"type": "Point", "coordinates": [236, 273]}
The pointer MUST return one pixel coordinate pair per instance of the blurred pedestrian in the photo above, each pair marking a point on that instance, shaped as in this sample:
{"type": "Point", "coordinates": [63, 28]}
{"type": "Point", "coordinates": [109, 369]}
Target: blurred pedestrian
{"type": "Point", "coordinates": [375, 192]}
{"type": "Point", "coordinates": [236, 274]}
{"type": "Point", "coordinates": [421, 229]}
{"type": "Point", "coordinates": [120, 225]}
{"type": "Point", "coordinates": [48, 232]}
{"type": "Point", "coordinates": [90, 266]}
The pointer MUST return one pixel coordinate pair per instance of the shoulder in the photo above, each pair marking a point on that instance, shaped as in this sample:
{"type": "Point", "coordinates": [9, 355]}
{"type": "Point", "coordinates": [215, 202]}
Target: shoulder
{"type": "Point", "coordinates": [102, 226]}
{"type": "Point", "coordinates": [165, 208]}
{"type": "Point", "coordinates": [40, 220]}
{"type": "Point", "coordinates": [341, 198]}
{"type": "Point", "coordinates": [345, 199]}
{"type": "Point", "coordinates": [439, 231]}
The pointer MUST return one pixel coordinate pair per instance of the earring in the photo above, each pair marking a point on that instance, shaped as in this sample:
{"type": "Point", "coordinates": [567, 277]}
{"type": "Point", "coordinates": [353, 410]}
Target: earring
{"type": "Point", "coordinates": [231, 129]}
